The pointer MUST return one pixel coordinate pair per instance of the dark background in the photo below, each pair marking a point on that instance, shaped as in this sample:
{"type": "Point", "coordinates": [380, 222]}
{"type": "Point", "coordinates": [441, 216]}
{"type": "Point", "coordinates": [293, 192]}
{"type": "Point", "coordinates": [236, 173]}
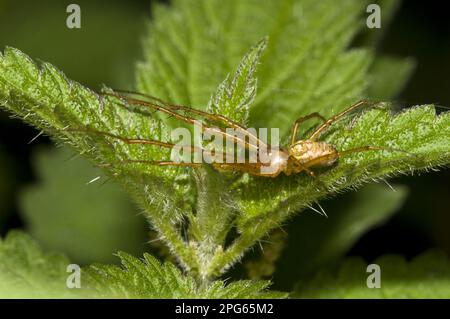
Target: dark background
{"type": "Point", "coordinates": [420, 30]}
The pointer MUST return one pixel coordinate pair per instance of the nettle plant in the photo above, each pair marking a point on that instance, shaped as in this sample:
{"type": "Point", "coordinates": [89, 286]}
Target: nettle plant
{"type": "Point", "coordinates": [208, 218]}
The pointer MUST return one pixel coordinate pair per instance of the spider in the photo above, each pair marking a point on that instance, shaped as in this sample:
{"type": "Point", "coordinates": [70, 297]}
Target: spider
{"type": "Point", "coordinates": [299, 156]}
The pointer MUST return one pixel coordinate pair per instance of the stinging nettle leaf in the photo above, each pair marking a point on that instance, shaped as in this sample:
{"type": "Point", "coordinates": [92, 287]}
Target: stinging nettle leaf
{"type": "Point", "coordinates": [426, 276]}
{"type": "Point", "coordinates": [74, 210]}
{"type": "Point", "coordinates": [235, 95]}
{"type": "Point", "coordinates": [307, 67]}
{"type": "Point", "coordinates": [148, 278]}
{"type": "Point", "coordinates": [45, 98]}
{"type": "Point", "coordinates": [348, 218]}
{"type": "Point", "coordinates": [27, 272]}
{"type": "Point", "coordinates": [389, 75]}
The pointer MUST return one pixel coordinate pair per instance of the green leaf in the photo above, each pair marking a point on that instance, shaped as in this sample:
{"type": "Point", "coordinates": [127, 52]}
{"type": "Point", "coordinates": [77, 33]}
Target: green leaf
{"type": "Point", "coordinates": [214, 207]}
{"type": "Point", "coordinates": [389, 77]}
{"type": "Point", "coordinates": [44, 97]}
{"type": "Point", "coordinates": [27, 272]}
{"type": "Point", "coordinates": [192, 46]}
{"type": "Point", "coordinates": [80, 54]}
{"type": "Point", "coordinates": [265, 264]}
{"type": "Point", "coordinates": [372, 37]}
{"type": "Point", "coordinates": [266, 203]}
{"type": "Point", "coordinates": [234, 96]}
{"type": "Point", "coordinates": [307, 67]}
{"type": "Point", "coordinates": [88, 222]}
{"type": "Point", "coordinates": [388, 74]}
{"type": "Point", "coordinates": [426, 276]}
{"type": "Point", "coordinates": [148, 278]}
{"type": "Point", "coordinates": [316, 241]}
{"type": "Point", "coordinates": [417, 131]}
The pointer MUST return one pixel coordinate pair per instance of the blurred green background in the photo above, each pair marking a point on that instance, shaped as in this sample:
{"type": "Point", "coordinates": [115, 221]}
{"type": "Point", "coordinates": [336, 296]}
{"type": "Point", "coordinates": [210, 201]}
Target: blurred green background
{"type": "Point", "coordinates": [46, 190]}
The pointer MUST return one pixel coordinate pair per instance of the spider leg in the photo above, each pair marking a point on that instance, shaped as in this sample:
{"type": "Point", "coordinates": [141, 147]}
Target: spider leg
{"type": "Point", "coordinates": [158, 163]}
{"type": "Point", "coordinates": [335, 118]}
{"type": "Point", "coordinates": [363, 149]}
{"type": "Point", "coordinates": [210, 116]}
{"type": "Point", "coordinates": [338, 154]}
{"type": "Point", "coordinates": [246, 168]}
{"type": "Point", "coordinates": [310, 173]}
{"type": "Point", "coordinates": [167, 110]}
{"type": "Point", "coordinates": [147, 142]}
{"type": "Point", "coordinates": [301, 120]}
{"type": "Point", "coordinates": [374, 148]}
{"type": "Point", "coordinates": [251, 168]}
{"type": "Point", "coordinates": [255, 169]}
{"type": "Point", "coordinates": [123, 139]}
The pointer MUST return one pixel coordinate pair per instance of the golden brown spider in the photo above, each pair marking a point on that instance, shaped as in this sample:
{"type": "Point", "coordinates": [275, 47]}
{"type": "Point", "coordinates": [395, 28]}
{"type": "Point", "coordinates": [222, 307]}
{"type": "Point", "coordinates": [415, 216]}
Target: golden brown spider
{"type": "Point", "coordinates": [299, 156]}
